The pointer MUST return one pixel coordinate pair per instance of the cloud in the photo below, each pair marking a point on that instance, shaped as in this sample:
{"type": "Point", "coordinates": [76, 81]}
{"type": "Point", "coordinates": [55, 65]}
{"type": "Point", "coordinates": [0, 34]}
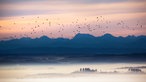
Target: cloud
{"type": "Point", "coordinates": [68, 1]}
{"type": "Point", "coordinates": [68, 6]}
{"type": "Point", "coordinates": [17, 1]}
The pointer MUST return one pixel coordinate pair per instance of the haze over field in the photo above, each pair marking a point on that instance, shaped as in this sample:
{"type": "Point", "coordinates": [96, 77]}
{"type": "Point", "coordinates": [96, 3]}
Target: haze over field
{"type": "Point", "coordinates": [64, 73]}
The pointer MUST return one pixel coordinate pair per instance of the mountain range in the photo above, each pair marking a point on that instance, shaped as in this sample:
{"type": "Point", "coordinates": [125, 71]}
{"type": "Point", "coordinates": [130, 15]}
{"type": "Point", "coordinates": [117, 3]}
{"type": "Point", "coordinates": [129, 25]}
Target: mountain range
{"type": "Point", "coordinates": [80, 44]}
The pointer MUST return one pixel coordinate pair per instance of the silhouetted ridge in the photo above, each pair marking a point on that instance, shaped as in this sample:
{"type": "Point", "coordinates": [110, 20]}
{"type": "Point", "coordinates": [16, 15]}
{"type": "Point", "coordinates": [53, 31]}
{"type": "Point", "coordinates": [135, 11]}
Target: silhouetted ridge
{"type": "Point", "coordinates": [80, 36]}
{"type": "Point", "coordinates": [107, 35]}
{"type": "Point", "coordinates": [81, 43]}
{"type": "Point", "coordinates": [83, 38]}
{"type": "Point", "coordinates": [44, 37]}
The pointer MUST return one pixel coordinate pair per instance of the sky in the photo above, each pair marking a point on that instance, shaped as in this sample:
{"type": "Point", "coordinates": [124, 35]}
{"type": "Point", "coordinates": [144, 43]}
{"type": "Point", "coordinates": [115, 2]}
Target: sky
{"type": "Point", "coordinates": [66, 18]}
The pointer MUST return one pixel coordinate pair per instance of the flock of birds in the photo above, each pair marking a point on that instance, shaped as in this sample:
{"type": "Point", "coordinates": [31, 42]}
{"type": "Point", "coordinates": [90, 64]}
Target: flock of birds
{"type": "Point", "coordinates": [100, 24]}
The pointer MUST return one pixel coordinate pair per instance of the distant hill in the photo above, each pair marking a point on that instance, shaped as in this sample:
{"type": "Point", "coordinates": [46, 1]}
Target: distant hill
{"type": "Point", "coordinates": [80, 44]}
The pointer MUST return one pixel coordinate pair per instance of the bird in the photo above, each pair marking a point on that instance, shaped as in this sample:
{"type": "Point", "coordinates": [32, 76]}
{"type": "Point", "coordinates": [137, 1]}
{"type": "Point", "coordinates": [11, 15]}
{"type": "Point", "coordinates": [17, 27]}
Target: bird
{"type": "Point", "coordinates": [119, 23]}
{"type": "Point", "coordinates": [49, 23]}
{"type": "Point", "coordinates": [141, 26]}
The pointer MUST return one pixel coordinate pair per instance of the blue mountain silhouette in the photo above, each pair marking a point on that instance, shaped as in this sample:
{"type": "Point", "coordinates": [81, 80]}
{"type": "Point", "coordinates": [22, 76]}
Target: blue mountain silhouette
{"type": "Point", "coordinates": [80, 44]}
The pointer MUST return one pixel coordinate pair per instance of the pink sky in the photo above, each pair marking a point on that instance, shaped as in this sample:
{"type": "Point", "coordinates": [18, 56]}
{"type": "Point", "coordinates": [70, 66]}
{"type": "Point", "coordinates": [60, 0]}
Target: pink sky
{"type": "Point", "coordinates": [66, 18]}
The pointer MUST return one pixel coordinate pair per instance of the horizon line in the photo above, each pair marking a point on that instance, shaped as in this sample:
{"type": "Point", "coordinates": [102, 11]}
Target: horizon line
{"type": "Point", "coordinates": [72, 37]}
